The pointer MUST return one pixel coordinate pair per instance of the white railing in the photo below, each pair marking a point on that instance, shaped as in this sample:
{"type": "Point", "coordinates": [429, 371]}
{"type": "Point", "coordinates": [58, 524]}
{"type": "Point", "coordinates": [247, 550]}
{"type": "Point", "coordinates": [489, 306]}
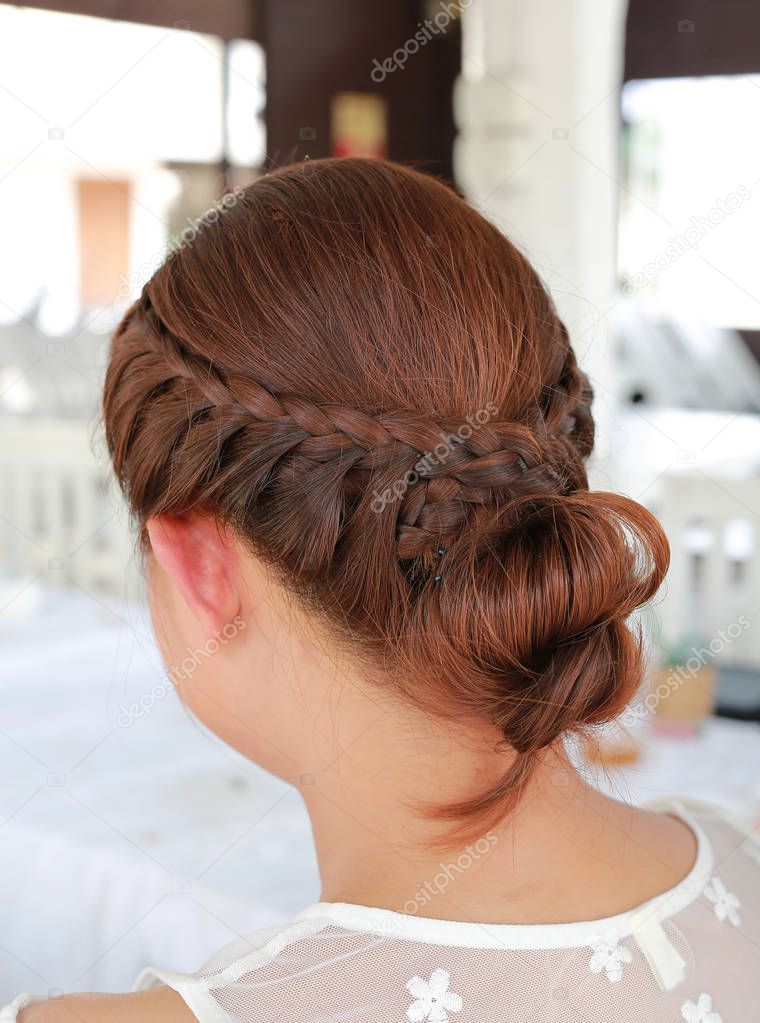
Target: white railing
{"type": "Point", "coordinates": [712, 592]}
{"type": "Point", "coordinates": [60, 513]}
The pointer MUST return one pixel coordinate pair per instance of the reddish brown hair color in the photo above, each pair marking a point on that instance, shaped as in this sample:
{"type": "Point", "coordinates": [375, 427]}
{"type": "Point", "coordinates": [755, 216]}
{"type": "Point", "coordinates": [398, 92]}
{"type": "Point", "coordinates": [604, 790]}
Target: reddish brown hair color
{"type": "Point", "coordinates": [304, 370]}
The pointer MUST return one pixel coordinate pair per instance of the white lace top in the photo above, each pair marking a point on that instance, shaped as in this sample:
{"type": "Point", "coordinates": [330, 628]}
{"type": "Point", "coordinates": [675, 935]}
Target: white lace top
{"type": "Point", "coordinates": [692, 953]}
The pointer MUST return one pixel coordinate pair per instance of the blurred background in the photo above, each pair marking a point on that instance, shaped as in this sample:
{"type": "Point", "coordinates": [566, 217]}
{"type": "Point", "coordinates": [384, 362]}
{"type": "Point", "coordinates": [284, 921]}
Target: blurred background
{"type": "Point", "coordinates": [615, 142]}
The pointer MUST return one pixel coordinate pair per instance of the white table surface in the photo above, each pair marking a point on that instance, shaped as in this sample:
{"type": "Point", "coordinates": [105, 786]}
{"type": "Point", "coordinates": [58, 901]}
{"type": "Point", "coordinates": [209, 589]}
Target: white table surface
{"type": "Point", "coordinates": [155, 842]}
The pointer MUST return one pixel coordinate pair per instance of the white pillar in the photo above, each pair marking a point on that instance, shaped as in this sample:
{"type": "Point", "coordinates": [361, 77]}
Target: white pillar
{"type": "Point", "coordinates": [537, 110]}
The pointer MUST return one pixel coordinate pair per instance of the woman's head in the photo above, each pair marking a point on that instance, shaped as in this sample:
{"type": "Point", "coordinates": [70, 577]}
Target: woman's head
{"type": "Point", "coordinates": [362, 386]}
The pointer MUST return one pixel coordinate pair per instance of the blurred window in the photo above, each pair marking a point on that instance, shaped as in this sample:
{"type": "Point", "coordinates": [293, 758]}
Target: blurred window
{"type": "Point", "coordinates": [690, 214]}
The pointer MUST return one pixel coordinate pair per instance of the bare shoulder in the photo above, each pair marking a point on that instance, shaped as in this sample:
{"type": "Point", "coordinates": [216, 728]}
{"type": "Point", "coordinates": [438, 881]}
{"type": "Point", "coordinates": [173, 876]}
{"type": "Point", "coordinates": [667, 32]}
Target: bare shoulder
{"type": "Point", "coordinates": [161, 1005]}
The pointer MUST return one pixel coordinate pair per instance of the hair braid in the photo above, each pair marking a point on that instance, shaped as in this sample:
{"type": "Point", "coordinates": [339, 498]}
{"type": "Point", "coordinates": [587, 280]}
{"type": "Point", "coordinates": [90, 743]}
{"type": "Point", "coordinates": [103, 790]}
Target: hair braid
{"type": "Point", "coordinates": [220, 417]}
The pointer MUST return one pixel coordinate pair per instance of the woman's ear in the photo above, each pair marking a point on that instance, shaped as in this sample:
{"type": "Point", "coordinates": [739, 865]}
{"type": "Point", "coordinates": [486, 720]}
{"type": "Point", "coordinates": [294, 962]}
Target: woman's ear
{"type": "Point", "coordinates": [202, 561]}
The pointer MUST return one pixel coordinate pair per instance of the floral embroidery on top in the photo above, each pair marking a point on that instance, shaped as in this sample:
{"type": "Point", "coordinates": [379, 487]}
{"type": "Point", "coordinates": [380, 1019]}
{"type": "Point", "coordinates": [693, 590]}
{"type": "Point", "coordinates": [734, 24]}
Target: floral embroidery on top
{"type": "Point", "coordinates": [726, 903]}
{"type": "Point", "coordinates": [433, 1000]}
{"type": "Point", "coordinates": [609, 956]}
{"type": "Point", "coordinates": [701, 1012]}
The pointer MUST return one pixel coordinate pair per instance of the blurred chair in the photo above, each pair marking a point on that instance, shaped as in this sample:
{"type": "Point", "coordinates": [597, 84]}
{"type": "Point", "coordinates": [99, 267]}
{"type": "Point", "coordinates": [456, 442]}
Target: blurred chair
{"type": "Point", "coordinates": [686, 365]}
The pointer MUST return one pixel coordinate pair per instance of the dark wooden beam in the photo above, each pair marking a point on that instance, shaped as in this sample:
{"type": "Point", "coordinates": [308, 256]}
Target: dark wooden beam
{"type": "Point", "coordinates": [692, 38]}
{"type": "Point", "coordinates": [230, 19]}
{"type": "Point", "coordinates": [316, 50]}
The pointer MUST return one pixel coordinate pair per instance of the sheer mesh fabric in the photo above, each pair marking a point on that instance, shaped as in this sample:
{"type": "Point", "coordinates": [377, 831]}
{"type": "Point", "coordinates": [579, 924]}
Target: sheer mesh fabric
{"type": "Point", "coordinates": [691, 954]}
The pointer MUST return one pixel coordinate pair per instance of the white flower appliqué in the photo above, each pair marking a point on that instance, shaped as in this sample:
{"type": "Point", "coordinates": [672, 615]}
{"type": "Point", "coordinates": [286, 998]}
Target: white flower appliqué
{"type": "Point", "coordinates": [433, 1000]}
{"type": "Point", "coordinates": [609, 956]}
{"type": "Point", "coordinates": [701, 1012]}
{"type": "Point", "coordinates": [725, 903]}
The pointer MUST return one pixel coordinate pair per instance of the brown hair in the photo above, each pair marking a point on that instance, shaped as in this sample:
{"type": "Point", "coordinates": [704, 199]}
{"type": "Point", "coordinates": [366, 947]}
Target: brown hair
{"type": "Point", "coordinates": [365, 379]}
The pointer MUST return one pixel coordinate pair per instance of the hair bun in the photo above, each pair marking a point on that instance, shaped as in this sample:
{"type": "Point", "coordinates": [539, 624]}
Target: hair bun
{"type": "Point", "coordinates": [531, 621]}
